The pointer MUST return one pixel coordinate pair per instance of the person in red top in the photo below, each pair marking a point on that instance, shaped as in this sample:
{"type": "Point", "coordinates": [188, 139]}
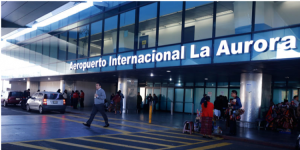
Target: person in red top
{"type": "Point", "coordinates": [75, 99]}
{"type": "Point", "coordinates": [81, 99]}
{"type": "Point", "coordinates": [206, 117]}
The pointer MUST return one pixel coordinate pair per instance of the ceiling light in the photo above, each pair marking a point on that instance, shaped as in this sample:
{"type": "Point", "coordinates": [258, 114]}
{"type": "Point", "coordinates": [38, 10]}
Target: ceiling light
{"type": "Point", "coordinates": [205, 78]}
{"type": "Point", "coordinates": [168, 71]}
{"type": "Point", "coordinates": [170, 79]}
{"type": "Point", "coordinates": [287, 77]}
{"type": "Point", "coordinates": [255, 69]}
{"type": "Point", "coordinates": [48, 78]}
{"type": "Point", "coordinates": [24, 79]}
{"type": "Point", "coordinates": [151, 74]}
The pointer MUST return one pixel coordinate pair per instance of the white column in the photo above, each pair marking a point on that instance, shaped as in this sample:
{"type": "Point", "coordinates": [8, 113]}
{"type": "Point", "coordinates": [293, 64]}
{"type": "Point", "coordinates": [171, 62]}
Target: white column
{"type": "Point", "coordinates": [62, 85]}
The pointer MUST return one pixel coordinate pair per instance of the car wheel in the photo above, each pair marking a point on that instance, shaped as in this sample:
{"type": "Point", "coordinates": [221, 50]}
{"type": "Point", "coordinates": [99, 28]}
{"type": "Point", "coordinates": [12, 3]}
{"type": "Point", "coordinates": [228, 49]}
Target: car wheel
{"type": "Point", "coordinates": [28, 107]}
{"type": "Point", "coordinates": [41, 110]}
{"type": "Point", "coordinates": [4, 103]}
{"type": "Point", "coordinates": [62, 112]}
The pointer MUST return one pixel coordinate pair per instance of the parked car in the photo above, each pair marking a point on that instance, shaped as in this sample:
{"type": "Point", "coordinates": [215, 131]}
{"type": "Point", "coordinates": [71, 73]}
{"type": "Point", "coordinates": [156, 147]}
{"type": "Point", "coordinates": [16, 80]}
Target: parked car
{"type": "Point", "coordinates": [11, 97]}
{"type": "Point", "coordinates": [46, 101]}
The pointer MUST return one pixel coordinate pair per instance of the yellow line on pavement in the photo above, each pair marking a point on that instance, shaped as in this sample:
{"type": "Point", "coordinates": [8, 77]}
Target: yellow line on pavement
{"type": "Point", "coordinates": [178, 137]}
{"type": "Point", "coordinates": [73, 144]}
{"type": "Point", "coordinates": [130, 140]}
{"type": "Point", "coordinates": [153, 138]}
{"type": "Point", "coordinates": [139, 122]}
{"type": "Point", "coordinates": [110, 143]}
{"type": "Point", "coordinates": [31, 146]}
{"type": "Point", "coordinates": [182, 145]}
{"type": "Point", "coordinates": [108, 128]}
{"type": "Point", "coordinates": [117, 123]}
{"type": "Point", "coordinates": [197, 134]}
{"type": "Point", "coordinates": [211, 146]}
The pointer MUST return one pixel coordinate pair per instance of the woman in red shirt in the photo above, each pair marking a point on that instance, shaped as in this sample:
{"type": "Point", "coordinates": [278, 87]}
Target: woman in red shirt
{"type": "Point", "coordinates": [75, 99]}
{"type": "Point", "coordinates": [206, 117]}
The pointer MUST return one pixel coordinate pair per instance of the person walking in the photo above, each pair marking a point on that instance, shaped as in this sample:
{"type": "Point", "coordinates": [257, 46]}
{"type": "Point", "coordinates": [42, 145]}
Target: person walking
{"type": "Point", "coordinates": [235, 105]}
{"type": "Point", "coordinates": [75, 99]}
{"type": "Point", "coordinates": [98, 106]}
{"type": "Point", "coordinates": [81, 99]}
{"type": "Point", "coordinates": [117, 100]}
{"type": "Point", "coordinates": [139, 101]}
{"type": "Point", "coordinates": [206, 118]}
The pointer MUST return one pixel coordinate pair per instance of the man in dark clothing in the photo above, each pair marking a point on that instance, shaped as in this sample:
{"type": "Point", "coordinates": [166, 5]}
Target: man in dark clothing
{"type": "Point", "coordinates": [139, 101]}
{"type": "Point", "coordinates": [82, 99]}
{"type": "Point", "coordinates": [235, 105]}
{"type": "Point", "coordinates": [203, 99]}
{"type": "Point", "coordinates": [218, 105]}
{"type": "Point", "coordinates": [149, 99]}
{"type": "Point", "coordinates": [155, 101]}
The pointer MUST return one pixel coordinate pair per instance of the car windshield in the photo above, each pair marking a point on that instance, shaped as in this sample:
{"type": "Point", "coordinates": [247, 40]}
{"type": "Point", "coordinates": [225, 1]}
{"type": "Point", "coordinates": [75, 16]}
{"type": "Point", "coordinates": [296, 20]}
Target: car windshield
{"type": "Point", "coordinates": [53, 96]}
{"type": "Point", "coordinates": [16, 94]}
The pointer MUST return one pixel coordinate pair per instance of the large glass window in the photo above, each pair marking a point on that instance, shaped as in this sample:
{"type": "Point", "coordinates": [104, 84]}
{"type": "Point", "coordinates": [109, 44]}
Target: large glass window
{"type": "Point", "coordinates": [170, 23]}
{"type": "Point", "coordinates": [72, 47]}
{"type": "Point", "coordinates": [198, 20]}
{"type": "Point", "coordinates": [126, 32]}
{"type": "Point", "coordinates": [32, 52]}
{"type": "Point", "coordinates": [147, 26]}
{"type": "Point", "coordinates": [26, 52]}
{"type": "Point", "coordinates": [46, 49]}
{"type": "Point", "coordinates": [270, 15]}
{"type": "Point", "coordinates": [54, 48]}
{"type": "Point", "coordinates": [96, 39]}
{"type": "Point", "coordinates": [110, 35]}
{"type": "Point", "coordinates": [233, 18]}
{"type": "Point", "coordinates": [39, 51]}
{"type": "Point", "coordinates": [62, 52]}
{"type": "Point", "coordinates": [83, 41]}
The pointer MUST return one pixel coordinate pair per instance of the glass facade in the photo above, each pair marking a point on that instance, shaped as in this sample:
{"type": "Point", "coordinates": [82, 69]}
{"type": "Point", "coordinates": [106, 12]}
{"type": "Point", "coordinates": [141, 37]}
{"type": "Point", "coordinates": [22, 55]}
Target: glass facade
{"type": "Point", "coordinates": [138, 28]}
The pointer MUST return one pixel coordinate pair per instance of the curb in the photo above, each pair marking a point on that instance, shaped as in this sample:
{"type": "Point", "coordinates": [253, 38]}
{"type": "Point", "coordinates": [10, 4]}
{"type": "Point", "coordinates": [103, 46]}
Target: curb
{"type": "Point", "coordinates": [254, 141]}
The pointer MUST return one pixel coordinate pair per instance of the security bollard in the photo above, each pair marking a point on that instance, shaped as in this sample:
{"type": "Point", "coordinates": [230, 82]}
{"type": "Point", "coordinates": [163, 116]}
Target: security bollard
{"type": "Point", "coordinates": [150, 112]}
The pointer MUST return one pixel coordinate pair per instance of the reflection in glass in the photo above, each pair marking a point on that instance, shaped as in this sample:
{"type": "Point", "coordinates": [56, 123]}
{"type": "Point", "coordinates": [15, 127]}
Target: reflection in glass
{"type": "Point", "coordinates": [26, 52]}
{"type": "Point", "coordinates": [126, 32]}
{"type": "Point", "coordinates": [46, 47]}
{"type": "Point", "coordinates": [96, 39]}
{"type": "Point", "coordinates": [233, 18]}
{"type": "Point", "coordinates": [62, 52]}
{"type": "Point", "coordinates": [170, 23]}
{"type": "Point", "coordinates": [110, 35]}
{"type": "Point", "coordinates": [83, 41]}
{"type": "Point", "coordinates": [72, 44]}
{"type": "Point", "coordinates": [31, 52]}
{"type": "Point", "coordinates": [147, 26]}
{"type": "Point", "coordinates": [39, 50]}
{"type": "Point", "coordinates": [198, 20]}
{"type": "Point", "coordinates": [53, 49]}
{"type": "Point", "coordinates": [271, 14]}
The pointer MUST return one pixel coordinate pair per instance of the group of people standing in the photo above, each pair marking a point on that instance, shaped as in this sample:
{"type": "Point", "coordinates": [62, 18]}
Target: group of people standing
{"type": "Point", "coordinates": [208, 113]}
{"type": "Point", "coordinates": [116, 101]}
{"type": "Point", "coordinates": [153, 100]}
{"type": "Point", "coordinates": [74, 98]}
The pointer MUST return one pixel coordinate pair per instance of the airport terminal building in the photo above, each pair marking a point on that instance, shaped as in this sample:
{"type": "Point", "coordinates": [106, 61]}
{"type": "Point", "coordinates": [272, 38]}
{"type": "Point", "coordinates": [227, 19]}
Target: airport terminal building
{"type": "Point", "coordinates": [177, 50]}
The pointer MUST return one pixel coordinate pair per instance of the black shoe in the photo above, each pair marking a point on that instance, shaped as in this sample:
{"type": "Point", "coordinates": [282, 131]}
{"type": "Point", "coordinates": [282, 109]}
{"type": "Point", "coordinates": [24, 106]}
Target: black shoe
{"type": "Point", "coordinates": [88, 125]}
{"type": "Point", "coordinates": [106, 125]}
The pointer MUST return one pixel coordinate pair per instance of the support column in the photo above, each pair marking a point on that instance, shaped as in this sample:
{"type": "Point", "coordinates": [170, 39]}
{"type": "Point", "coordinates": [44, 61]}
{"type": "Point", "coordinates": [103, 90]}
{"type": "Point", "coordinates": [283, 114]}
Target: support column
{"type": "Point", "coordinates": [33, 86]}
{"type": "Point", "coordinates": [255, 95]}
{"type": "Point", "coordinates": [128, 86]}
{"type": "Point", "coordinates": [62, 85]}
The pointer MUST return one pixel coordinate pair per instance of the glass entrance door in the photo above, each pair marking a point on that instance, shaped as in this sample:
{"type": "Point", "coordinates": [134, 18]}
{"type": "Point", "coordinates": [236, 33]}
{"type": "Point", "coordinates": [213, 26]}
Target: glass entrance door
{"type": "Point", "coordinates": [179, 92]}
{"type": "Point", "coordinates": [188, 100]}
{"type": "Point", "coordinates": [163, 98]}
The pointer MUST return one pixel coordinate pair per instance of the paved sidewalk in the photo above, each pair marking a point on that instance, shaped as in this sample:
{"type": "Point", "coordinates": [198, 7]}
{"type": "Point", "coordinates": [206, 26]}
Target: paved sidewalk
{"type": "Point", "coordinates": [269, 138]}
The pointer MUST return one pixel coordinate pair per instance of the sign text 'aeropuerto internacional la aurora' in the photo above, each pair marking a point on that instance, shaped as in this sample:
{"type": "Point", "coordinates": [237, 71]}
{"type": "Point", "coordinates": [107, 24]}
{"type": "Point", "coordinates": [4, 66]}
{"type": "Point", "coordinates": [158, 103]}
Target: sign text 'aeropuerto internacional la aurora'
{"type": "Point", "coordinates": [260, 45]}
